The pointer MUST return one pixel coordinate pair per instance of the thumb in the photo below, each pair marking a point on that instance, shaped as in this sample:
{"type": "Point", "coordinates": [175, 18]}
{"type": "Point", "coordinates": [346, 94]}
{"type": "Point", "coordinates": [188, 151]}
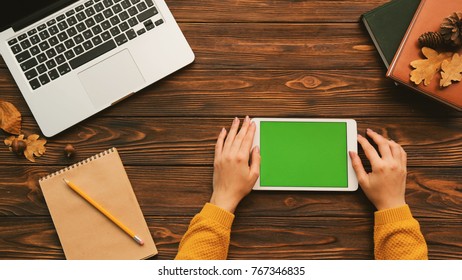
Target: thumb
{"type": "Point", "coordinates": [255, 163]}
{"type": "Point", "coordinates": [358, 167]}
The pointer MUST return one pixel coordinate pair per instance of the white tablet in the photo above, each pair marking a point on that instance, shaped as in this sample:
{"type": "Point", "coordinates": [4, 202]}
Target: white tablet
{"type": "Point", "coordinates": [306, 154]}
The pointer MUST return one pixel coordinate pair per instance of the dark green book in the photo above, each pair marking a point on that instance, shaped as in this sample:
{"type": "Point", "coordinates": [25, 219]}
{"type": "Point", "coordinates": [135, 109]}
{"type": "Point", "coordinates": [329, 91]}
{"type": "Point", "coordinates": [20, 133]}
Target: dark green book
{"type": "Point", "coordinates": [387, 25]}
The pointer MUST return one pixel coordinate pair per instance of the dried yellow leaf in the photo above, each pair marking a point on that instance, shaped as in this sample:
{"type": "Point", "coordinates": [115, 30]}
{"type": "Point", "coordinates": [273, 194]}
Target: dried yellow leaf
{"type": "Point", "coordinates": [451, 70]}
{"type": "Point", "coordinates": [35, 147]}
{"type": "Point", "coordinates": [425, 69]}
{"type": "Point", "coordinates": [9, 140]}
{"type": "Point", "coordinates": [10, 118]}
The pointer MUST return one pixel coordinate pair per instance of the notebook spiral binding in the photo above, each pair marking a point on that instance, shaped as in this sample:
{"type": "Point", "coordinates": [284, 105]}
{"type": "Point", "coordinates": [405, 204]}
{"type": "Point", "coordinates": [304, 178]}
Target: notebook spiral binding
{"type": "Point", "coordinates": [85, 161]}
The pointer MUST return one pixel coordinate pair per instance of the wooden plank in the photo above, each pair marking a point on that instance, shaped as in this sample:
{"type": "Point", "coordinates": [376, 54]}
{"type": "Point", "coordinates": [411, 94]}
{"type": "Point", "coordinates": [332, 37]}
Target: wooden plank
{"type": "Point", "coordinates": [169, 191]}
{"type": "Point", "coordinates": [276, 46]}
{"type": "Point", "coordinates": [303, 93]}
{"type": "Point", "coordinates": [279, 46]}
{"type": "Point", "coordinates": [191, 141]}
{"type": "Point", "coordinates": [283, 11]}
{"type": "Point", "coordinates": [251, 238]}
{"type": "Point", "coordinates": [318, 238]}
{"type": "Point", "coordinates": [29, 238]}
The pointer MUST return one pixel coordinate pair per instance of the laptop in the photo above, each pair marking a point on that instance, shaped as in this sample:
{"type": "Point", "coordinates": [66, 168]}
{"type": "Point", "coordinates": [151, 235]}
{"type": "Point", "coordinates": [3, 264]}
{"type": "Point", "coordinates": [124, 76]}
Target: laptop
{"type": "Point", "coordinates": [74, 58]}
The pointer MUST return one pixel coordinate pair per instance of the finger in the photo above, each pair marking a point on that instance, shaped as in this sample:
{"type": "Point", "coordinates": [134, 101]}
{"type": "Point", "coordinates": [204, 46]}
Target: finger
{"type": "Point", "coordinates": [220, 141]}
{"type": "Point", "coordinates": [370, 152]}
{"type": "Point", "coordinates": [255, 164]}
{"type": "Point", "coordinates": [382, 143]}
{"type": "Point", "coordinates": [395, 150]}
{"type": "Point", "coordinates": [231, 135]}
{"type": "Point", "coordinates": [248, 139]}
{"type": "Point", "coordinates": [358, 167]}
{"type": "Point", "coordinates": [241, 135]}
{"type": "Point", "coordinates": [403, 158]}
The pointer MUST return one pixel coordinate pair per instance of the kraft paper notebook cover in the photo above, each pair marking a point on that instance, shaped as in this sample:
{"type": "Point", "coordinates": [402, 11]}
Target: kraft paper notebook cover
{"type": "Point", "coordinates": [84, 232]}
{"type": "Point", "coordinates": [387, 25]}
{"type": "Point", "coordinates": [428, 17]}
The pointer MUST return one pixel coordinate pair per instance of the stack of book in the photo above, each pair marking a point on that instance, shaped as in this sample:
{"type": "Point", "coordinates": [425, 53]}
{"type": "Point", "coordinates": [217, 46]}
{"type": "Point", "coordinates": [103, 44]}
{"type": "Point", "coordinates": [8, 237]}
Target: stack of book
{"type": "Point", "coordinates": [395, 28]}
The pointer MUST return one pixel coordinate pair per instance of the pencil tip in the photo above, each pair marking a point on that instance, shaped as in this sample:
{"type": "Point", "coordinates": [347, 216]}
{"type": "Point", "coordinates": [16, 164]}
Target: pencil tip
{"type": "Point", "coordinates": [65, 180]}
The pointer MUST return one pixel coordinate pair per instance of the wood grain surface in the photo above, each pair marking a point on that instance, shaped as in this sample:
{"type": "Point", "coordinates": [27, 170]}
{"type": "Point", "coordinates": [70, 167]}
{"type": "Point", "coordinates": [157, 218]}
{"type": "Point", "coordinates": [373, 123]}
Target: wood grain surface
{"type": "Point", "coordinates": [261, 58]}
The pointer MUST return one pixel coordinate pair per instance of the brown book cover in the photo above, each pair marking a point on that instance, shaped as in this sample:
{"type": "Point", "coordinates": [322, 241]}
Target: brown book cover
{"type": "Point", "coordinates": [428, 17]}
{"type": "Point", "coordinates": [84, 232]}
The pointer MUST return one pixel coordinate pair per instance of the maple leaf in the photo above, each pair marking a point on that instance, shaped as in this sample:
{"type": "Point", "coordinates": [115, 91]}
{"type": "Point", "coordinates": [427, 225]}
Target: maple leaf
{"type": "Point", "coordinates": [451, 70]}
{"type": "Point", "coordinates": [425, 69]}
{"type": "Point", "coordinates": [10, 118]}
{"type": "Point", "coordinates": [35, 147]}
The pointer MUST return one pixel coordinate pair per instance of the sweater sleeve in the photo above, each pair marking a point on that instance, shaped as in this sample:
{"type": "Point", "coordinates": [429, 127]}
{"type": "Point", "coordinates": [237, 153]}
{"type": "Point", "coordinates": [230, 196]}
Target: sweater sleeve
{"type": "Point", "coordinates": [208, 235]}
{"type": "Point", "coordinates": [397, 235]}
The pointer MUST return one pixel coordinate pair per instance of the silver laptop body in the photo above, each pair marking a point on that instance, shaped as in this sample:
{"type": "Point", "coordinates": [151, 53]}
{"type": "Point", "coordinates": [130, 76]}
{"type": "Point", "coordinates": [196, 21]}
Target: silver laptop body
{"type": "Point", "coordinates": [88, 55]}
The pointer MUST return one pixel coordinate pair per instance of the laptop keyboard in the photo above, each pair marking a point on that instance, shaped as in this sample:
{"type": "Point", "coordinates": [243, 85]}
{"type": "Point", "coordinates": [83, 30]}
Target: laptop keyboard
{"type": "Point", "coordinates": [80, 35]}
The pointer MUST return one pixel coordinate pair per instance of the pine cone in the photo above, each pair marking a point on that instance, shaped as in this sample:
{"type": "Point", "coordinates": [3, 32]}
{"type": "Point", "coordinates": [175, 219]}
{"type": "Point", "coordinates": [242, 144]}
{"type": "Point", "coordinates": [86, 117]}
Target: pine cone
{"type": "Point", "coordinates": [432, 40]}
{"type": "Point", "coordinates": [451, 29]}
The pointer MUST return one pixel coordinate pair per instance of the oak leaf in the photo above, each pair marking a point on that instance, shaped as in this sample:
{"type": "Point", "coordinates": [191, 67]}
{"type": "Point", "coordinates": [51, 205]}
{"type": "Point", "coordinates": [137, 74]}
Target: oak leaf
{"type": "Point", "coordinates": [35, 147]}
{"type": "Point", "coordinates": [10, 118]}
{"type": "Point", "coordinates": [425, 69]}
{"type": "Point", "coordinates": [451, 70]}
{"type": "Point", "coordinates": [9, 140]}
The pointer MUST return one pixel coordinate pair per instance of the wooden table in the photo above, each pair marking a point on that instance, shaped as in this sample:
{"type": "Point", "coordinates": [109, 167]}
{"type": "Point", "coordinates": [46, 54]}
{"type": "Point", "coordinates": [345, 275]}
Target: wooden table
{"type": "Point", "coordinates": [260, 58]}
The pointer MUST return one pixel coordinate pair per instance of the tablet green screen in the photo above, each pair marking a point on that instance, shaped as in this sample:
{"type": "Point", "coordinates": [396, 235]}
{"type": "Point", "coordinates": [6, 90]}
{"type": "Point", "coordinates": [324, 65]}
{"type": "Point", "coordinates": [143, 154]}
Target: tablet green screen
{"type": "Point", "coordinates": [303, 154]}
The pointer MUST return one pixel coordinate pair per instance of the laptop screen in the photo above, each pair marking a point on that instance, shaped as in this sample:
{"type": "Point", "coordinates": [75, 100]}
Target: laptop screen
{"type": "Point", "coordinates": [21, 9]}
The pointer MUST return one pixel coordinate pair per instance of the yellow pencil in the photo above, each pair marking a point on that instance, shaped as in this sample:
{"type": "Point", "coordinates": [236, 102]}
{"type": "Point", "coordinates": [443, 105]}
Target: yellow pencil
{"type": "Point", "coordinates": [104, 211]}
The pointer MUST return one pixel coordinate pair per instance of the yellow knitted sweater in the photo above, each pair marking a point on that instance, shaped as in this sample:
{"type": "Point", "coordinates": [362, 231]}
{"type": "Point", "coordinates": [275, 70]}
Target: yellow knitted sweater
{"type": "Point", "coordinates": [396, 235]}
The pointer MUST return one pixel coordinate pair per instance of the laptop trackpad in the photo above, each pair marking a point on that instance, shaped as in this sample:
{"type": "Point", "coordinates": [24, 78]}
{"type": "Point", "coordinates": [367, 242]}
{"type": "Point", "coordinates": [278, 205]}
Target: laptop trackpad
{"type": "Point", "coordinates": [111, 79]}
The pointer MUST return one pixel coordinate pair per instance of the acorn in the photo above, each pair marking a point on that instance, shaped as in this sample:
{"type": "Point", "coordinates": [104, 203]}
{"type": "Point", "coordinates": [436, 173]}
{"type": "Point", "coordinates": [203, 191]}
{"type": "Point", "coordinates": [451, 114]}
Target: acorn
{"type": "Point", "coordinates": [69, 151]}
{"type": "Point", "coordinates": [18, 146]}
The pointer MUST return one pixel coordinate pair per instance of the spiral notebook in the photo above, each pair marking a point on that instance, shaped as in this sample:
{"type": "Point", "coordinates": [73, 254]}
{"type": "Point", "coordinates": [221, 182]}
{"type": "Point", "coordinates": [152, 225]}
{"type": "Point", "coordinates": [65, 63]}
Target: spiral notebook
{"type": "Point", "coordinates": [84, 232]}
